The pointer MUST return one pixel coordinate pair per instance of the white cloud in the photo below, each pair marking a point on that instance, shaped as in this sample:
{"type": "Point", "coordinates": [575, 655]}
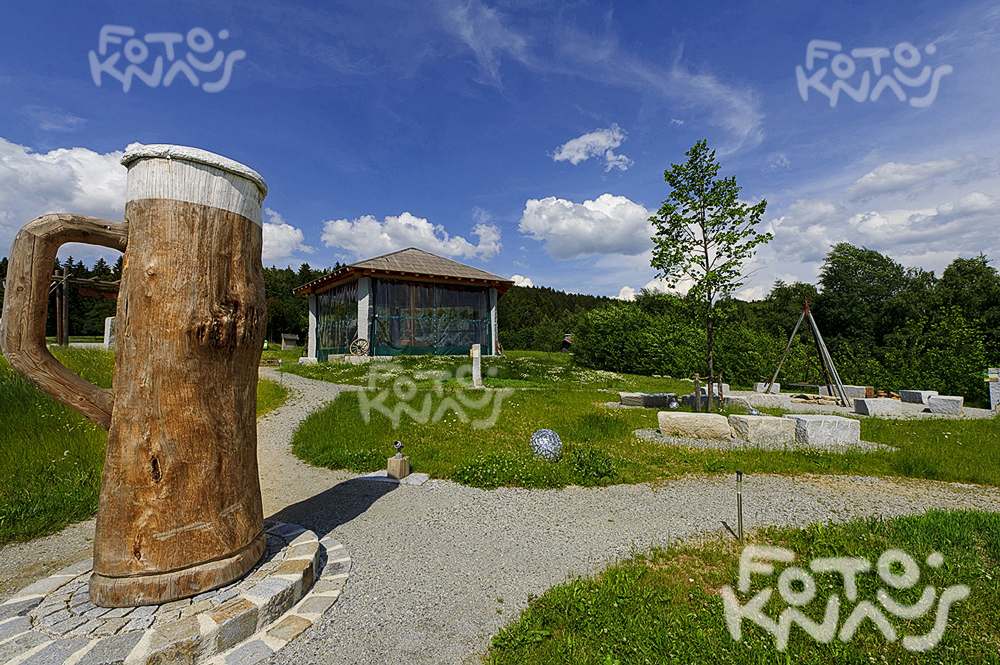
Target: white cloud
{"type": "Point", "coordinates": [779, 161]}
{"type": "Point", "coordinates": [368, 237]}
{"type": "Point", "coordinates": [281, 239]}
{"type": "Point", "coordinates": [599, 143]}
{"type": "Point", "coordinates": [607, 225]}
{"type": "Point", "coordinates": [895, 176]}
{"type": "Point", "coordinates": [521, 280]}
{"type": "Point", "coordinates": [482, 29]}
{"type": "Point", "coordinates": [73, 180]}
{"type": "Point", "coordinates": [600, 58]}
{"type": "Point", "coordinates": [53, 120]}
{"type": "Point", "coordinates": [626, 293]}
{"type": "Point", "coordinates": [675, 121]}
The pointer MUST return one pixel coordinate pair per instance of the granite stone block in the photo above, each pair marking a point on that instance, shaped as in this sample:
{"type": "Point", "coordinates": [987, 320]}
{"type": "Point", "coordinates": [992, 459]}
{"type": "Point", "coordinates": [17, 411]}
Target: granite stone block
{"type": "Point", "coordinates": [249, 654]}
{"type": "Point", "coordinates": [767, 430]}
{"type": "Point", "coordinates": [237, 620]}
{"type": "Point", "coordinates": [916, 396]}
{"type": "Point", "coordinates": [826, 432]}
{"type": "Point", "coordinates": [770, 401]}
{"type": "Point", "coordinates": [56, 652]}
{"type": "Point", "coordinates": [694, 425]}
{"type": "Point", "coordinates": [111, 650]}
{"type": "Point", "coordinates": [946, 404]}
{"type": "Point", "coordinates": [853, 392]}
{"type": "Point", "coordinates": [13, 627]}
{"type": "Point", "coordinates": [878, 406]}
{"type": "Point", "coordinates": [288, 628]}
{"type": "Point", "coordinates": [20, 645]}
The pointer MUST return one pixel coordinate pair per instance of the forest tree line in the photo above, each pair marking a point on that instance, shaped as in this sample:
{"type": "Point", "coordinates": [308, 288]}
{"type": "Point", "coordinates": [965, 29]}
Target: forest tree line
{"type": "Point", "coordinates": [886, 326]}
{"type": "Point", "coordinates": [286, 312]}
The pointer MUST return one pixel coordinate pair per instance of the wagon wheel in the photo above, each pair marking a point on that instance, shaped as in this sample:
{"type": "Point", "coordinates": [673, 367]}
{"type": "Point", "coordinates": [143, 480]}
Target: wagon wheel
{"type": "Point", "coordinates": [499, 349]}
{"type": "Point", "coordinates": [359, 347]}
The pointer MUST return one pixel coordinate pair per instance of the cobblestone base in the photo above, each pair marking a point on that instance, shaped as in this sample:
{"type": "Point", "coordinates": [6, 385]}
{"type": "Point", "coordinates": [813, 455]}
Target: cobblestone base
{"type": "Point", "coordinates": [53, 622]}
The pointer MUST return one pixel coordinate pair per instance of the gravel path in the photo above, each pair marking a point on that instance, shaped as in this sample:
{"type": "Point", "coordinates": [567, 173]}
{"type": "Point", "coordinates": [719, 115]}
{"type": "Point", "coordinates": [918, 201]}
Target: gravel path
{"type": "Point", "coordinates": [439, 568]}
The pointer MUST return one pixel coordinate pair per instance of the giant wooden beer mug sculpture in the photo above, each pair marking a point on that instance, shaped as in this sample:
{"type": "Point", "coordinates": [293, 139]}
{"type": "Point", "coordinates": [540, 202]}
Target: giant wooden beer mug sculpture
{"type": "Point", "coordinates": [180, 508]}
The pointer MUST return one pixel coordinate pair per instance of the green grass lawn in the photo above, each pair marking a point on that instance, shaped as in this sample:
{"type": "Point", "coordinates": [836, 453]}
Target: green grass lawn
{"type": "Point", "coordinates": [665, 606]}
{"type": "Point", "coordinates": [599, 442]}
{"type": "Point", "coordinates": [51, 457]}
{"type": "Point", "coordinates": [519, 369]}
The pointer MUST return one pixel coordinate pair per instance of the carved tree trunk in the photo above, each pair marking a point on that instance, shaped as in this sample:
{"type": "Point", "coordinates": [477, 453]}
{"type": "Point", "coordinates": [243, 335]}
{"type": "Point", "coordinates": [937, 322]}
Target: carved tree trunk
{"type": "Point", "coordinates": [180, 508]}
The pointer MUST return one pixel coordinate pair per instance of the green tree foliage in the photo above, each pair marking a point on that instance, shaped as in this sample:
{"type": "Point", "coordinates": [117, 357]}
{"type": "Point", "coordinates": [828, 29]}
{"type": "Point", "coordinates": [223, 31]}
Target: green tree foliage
{"type": "Point", "coordinates": [973, 286]}
{"type": "Point", "coordinates": [704, 233]}
{"type": "Point", "coordinates": [288, 313]}
{"type": "Point", "coordinates": [522, 310]}
{"type": "Point", "coordinates": [857, 284]}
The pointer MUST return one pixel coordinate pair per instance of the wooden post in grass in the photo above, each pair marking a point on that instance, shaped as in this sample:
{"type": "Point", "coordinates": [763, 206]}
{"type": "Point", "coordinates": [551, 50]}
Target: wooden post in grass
{"type": "Point", "coordinates": [697, 393]}
{"type": "Point", "coordinates": [180, 508]}
{"type": "Point", "coordinates": [57, 276]}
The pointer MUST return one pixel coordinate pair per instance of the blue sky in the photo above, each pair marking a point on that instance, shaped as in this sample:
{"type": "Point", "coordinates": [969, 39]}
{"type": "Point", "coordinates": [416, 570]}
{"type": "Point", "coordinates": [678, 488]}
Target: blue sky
{"type": "Point", "coordinates": [525, 138]}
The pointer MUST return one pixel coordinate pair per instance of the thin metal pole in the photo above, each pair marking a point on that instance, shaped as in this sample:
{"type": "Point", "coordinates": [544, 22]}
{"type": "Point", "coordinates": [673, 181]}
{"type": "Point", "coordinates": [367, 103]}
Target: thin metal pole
{"type": "Point", "coordinates": [829, 361]}
{"type": "Point", "coordinates": [784, 355]}
{"type": "Point", "coordinates": [739, 504]}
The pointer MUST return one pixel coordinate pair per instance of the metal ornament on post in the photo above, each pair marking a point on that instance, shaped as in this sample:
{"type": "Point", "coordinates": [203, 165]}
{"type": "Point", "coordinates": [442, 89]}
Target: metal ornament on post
{"type": "Point", "coordinates": [398, 467]}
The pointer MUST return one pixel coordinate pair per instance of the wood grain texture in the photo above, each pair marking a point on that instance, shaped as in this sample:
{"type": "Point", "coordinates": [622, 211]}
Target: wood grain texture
{"type": "Point", "coordinates": [22, 328]}
{"type": "Point", "coordinates": [158, 589]}
{"type": "Point", "coordinates": [180, 486]}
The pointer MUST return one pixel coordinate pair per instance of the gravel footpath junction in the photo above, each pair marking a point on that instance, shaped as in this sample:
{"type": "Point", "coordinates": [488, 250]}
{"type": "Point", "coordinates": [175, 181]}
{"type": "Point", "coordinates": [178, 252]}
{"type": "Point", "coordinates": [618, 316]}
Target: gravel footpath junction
{"type": "Point", "coordinates": [438, 568]}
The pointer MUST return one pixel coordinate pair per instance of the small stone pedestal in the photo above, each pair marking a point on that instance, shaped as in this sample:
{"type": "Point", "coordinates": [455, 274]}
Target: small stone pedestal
{"type": "Point", "coordinates": [399, 467]}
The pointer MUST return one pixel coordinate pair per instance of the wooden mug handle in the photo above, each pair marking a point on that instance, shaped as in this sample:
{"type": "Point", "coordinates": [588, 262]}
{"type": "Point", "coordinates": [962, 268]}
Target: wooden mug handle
{"type": "Point", "coordinates": [26, 299]}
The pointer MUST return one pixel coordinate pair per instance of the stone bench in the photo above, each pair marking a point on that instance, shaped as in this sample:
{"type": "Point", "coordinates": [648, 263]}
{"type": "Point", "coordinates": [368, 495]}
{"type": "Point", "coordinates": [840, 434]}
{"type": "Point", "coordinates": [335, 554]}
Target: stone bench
{"type": "Point", "coordinates": [916, 396]}
{"type": "Point", "coordinates": [764, 430]}
{"type": "Point", "coordinates": [694, 425]}
{"type": "Point", "coordinates": [946, 404]}
{"type": "Point", "coordinates": [647, 400]}
{"type": "Point", "coordinates": [852, 392]}
{"type": "Point", "coordinates": [826, 432]}
{"type": "Point", "coordinates": [770, 401]}
{"type": "Point", "coordinates": [760, 386]}
{"type": "Point", "coordinates": [878, 406]}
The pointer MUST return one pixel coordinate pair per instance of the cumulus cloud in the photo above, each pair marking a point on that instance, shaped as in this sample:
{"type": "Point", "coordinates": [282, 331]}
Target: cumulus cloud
{"type": "Point", "coordinates": [281, 239]}
{"type": "Point", "coordinates": [521, 280]}
{"type": "Point", "coordinates": [607, 225]}
{"type": "Point", "coordinates": [75, 180]}
{"type": "Point", "coordinates": [600, 143]}
{"type": "Point", "coordinates": [626, 293]}
{"type": "Point", "coordinates": [894, 176]}
{"type": "Point", "coordinates": [367, 237]}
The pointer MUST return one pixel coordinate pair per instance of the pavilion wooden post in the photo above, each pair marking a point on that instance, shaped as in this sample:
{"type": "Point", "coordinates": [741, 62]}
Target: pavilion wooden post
{"type": "Point", "coordinates": [180, 509]}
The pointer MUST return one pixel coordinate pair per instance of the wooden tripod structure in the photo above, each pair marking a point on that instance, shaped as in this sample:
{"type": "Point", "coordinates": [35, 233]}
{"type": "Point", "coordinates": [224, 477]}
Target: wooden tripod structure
{"type": "Point", "coordinates": [826, 362]}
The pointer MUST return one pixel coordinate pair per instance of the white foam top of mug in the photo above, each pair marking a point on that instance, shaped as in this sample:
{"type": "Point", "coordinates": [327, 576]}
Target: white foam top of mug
{"type": "Point", "coordinates": [137, 151]}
